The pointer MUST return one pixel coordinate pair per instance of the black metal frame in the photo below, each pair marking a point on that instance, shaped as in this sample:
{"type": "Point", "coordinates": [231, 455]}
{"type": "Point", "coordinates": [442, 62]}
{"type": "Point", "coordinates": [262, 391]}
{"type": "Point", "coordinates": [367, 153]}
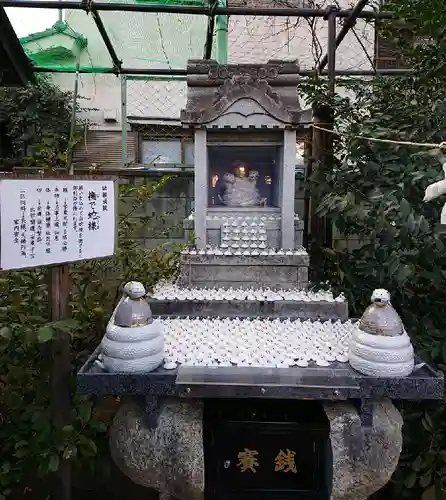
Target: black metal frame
{"type": "Point", "coordinates": [336, 383]}
{"type": "Point", "coordinates": [190, 9]}
{"type": "Point", "coordinates": [117, 63]}
{"type": "Point", "coordinates": [330, 14]}
{"type": "Point", "coordinates": [183, 72]}
{"type": "Point", "coordinates": [15, 67]}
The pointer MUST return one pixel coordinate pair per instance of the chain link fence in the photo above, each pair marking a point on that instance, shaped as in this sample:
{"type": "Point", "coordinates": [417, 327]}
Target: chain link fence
{"type": "Point", "coordinates": [153, 114]}
{"type": "Point", "coordinates": [150, 98]}
{"type": "Point", "coordinates": [259, 38]}
{"type": "Point", "coordinates": [256, 38]}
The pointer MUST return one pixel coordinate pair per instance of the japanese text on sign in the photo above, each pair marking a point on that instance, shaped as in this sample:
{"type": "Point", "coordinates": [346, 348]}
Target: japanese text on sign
{"type": "Point", "coordinates": [45, 222]}
{"type": "Point", "coordinates": [248, 460]}
{"type": "Point", "coordinates": [284, 461]}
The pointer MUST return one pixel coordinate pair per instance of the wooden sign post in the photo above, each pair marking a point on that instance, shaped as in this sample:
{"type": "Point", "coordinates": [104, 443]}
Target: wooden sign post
{"type": "Point", "coordinates": [59, 287]}
{"type": "Point", "coordinates": [49, 223]}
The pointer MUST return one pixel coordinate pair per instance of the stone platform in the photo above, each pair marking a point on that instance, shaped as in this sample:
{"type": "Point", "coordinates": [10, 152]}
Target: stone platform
{"type": "Point", "coordinates": [292, 309]}
{"type": "Point", "coordinates": [275, 271]}
{"type": "Point", "coordinates": [158, 438]}
{"type": "Point", "coordinates": [170, 300]}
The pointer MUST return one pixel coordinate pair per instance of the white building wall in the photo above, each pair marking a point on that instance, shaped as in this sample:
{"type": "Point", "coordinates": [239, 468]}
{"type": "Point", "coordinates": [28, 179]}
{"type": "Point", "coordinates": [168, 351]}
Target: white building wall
{"type": "Point", "coordinates": [257, 39]}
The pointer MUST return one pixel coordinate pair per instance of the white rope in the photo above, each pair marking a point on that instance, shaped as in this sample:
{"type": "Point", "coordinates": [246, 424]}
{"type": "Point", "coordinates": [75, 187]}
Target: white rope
{"type": "Point", "coordinates": [441, 146]}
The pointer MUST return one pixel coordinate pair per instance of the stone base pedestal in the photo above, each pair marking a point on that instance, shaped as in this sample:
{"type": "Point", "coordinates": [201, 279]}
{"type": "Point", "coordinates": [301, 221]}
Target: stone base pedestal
{"type": "Point", "coordinates": [273, 229]}
{"type": "Point", "coordinates": [275, 271]}
{"type": "Point", "coordinates": [170, 457]}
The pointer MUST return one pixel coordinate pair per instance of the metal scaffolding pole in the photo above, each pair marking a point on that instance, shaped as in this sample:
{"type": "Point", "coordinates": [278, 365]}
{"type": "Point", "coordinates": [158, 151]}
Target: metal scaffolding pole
{"type": "Point", "coordinates": [183, 72]}
{"type": "Point", "coordinates": [209, 38]}
{"type": "Point", "coordinates": [122, 71]}
{"type": "Point", "coordinates": [221, 36]}
{"type": "Point", "coordinates": [124, 157]}
{"type": "Point", "coordinates": [331, 48]}
{"type": "Point", "coordinates": [348, 24]}
{"type": "Point", "coordinates": [210, 31]}
{"type": "Point", "coordinates": [190, 9]}
{"type": "Point", "coordinates": [103, 32]}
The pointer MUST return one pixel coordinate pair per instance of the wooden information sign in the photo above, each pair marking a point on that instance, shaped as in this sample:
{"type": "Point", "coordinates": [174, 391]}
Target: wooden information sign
{"type": "Point", "coordinates": [52, 221]}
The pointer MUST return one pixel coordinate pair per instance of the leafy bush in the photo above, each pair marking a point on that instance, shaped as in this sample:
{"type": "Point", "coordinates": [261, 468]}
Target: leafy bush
{"type": "Point", "coordinates": [375, 191]}
{"type": "Point", "coordinates": [35, 125]}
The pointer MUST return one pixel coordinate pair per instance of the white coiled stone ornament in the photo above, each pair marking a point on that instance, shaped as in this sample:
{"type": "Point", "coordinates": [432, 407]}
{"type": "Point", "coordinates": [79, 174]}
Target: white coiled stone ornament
{"type": "Point", "coordinates": [380, 346]}
{"type": "Point", "coordinates": [133, 342]}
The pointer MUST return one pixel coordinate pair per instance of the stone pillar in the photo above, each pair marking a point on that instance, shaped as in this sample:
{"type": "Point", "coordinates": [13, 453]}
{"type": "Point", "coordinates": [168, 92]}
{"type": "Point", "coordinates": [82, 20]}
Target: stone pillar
{"type": "Point", "coordinates": [288, 188]}
{"type": "Point", "coordinates": [200, 186]}
{"type": "Point", "coordinates": [168, 457]}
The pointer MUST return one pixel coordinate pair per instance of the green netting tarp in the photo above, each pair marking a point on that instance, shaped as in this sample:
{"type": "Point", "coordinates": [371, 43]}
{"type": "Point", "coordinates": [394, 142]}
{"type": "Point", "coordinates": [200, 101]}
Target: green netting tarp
{"type": "Point", "coordinates": [140, 40]}
{"type": "Point", "coordinates": [168, 40]}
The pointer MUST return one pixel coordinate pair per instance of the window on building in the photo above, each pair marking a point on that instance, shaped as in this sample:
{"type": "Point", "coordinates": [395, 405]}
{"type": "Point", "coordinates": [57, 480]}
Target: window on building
{"type": "Point", "coordinates": [161, 152]}
{"type": "Point", "coordinates": [189, 153]}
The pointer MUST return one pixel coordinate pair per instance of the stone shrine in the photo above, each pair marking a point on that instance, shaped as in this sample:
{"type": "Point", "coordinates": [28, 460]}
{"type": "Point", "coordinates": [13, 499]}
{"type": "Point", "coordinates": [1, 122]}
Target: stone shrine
{"type": "Point", "coordinates": [256, 396]}
{"type": "Point", "coordinates": [247, 121]}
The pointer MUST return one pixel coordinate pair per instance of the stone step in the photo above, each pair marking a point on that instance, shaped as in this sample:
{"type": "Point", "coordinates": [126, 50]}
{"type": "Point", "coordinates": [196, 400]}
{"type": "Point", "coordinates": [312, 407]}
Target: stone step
{"type": "Point", "coordinates": [267, 256]}
{"type": "Point", "coordinates": [225, 271]}
{"type": "Point", "coordinates": [292, 309]}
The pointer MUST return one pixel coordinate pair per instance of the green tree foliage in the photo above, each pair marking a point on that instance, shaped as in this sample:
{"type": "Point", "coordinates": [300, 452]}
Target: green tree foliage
{"type": "Point", "coordinates": [375, 191]}
{"type": "Point", "coordinates": [35, 124]}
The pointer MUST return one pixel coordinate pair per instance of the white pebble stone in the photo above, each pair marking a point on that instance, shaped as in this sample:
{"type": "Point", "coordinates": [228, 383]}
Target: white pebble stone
{"type": "Point", "coordinates": [170, 365]}
{"type": "Point", "coordinates": [342, 358]}
{"type": "Point", "coordinates": [170, 291]}
{"type": "Point", "coordinates": [322, 362]}
{"type": "Point", "coordinates": [302, 363]}
{"type": "Point", "coordinates": [254, 342]}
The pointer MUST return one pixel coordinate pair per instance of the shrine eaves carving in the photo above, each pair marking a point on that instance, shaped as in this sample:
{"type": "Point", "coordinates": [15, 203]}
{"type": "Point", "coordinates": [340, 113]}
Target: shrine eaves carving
{"type": "Point", "coordinates": [229, 71]}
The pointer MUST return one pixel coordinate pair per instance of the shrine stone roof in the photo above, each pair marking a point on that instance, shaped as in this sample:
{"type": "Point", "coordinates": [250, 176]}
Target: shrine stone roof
{"type": "Point", "coordinates": [243, 95]}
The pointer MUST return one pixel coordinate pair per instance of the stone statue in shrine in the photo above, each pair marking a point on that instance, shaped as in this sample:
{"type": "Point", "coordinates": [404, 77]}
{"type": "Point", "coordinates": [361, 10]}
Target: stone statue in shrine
{"type": "Point", "coordinates": [241, 187]}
